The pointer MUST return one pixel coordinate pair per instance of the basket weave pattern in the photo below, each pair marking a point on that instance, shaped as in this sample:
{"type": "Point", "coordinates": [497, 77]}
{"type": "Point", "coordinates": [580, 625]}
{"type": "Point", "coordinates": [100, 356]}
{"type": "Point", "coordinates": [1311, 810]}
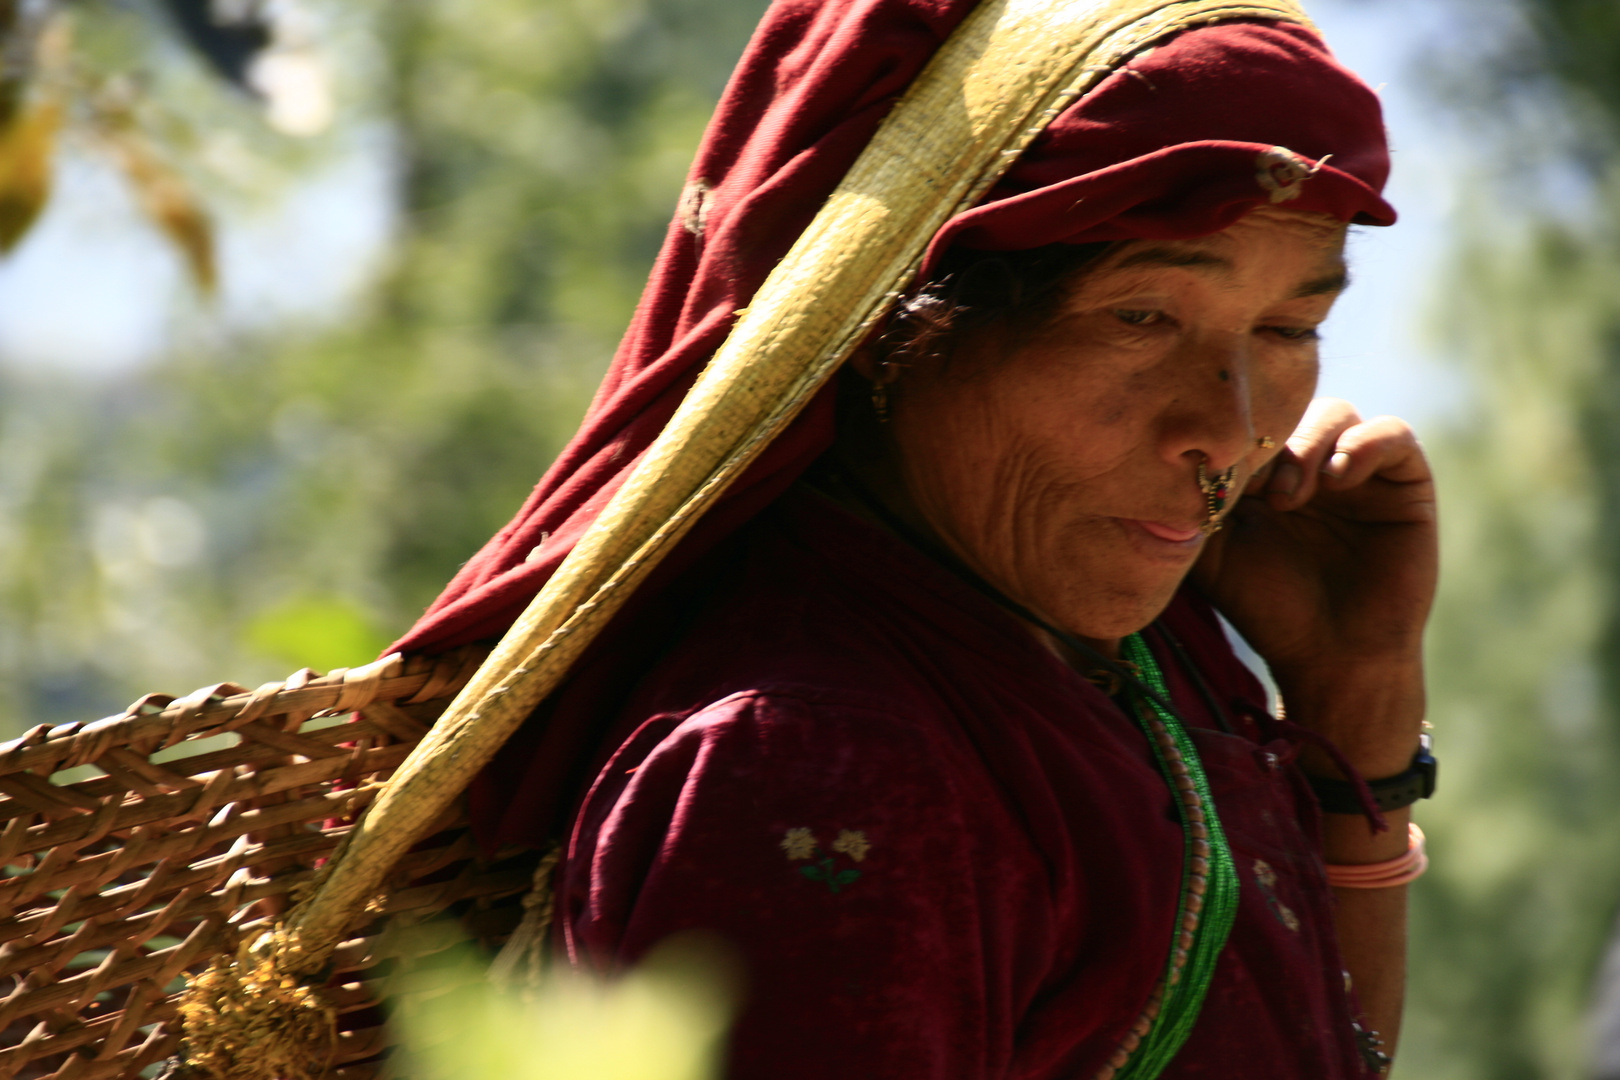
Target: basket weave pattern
{"type": "Point", "coordinates": [206, 816]}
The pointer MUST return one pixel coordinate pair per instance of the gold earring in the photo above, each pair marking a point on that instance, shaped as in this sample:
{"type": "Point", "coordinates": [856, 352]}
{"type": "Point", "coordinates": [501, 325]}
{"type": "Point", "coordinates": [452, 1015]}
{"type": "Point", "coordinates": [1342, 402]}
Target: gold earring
{"type": "Point", "coordinates": [887, 372]}
{"type": "Point", "coordinates": [1217, 490]}
{"type": "Point", "coordinates": [1265, 442]}
{"type": "Point", "coordinates": [880, 401]}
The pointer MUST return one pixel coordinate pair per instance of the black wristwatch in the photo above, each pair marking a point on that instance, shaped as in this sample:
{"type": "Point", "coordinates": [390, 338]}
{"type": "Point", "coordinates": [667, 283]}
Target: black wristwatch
{"type": "Point", "coordinates": [1390, 793]}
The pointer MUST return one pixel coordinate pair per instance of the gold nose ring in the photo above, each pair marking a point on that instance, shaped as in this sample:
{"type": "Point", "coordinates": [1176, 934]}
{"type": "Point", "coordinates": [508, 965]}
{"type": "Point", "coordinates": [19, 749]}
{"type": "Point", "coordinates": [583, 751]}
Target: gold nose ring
{"type": "Point", "coordinates": [1217, 490]}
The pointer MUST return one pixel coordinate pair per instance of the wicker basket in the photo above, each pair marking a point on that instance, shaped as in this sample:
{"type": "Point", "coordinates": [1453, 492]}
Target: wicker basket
{"type": "Point", "coordinates": [137, 848]}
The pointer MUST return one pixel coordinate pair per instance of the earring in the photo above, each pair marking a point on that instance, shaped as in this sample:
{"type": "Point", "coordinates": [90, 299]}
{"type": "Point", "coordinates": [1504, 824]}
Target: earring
{"type": "Point", "coordinates": [880, 402]}
{"type": "Point", "coordinates": [1265, 442]}
{"type": "Point", "coordinates": [1217, 491]}
{"type": "Point", "coordinates": [880, 391]}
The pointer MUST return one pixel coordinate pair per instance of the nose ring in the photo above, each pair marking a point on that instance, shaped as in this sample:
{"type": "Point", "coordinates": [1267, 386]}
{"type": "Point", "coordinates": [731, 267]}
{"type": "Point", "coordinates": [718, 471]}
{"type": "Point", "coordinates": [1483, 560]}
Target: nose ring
{"type": "Point", "coordinates": [1265, 442]}
{"type": "Point", "coordinates": [1217, 490]}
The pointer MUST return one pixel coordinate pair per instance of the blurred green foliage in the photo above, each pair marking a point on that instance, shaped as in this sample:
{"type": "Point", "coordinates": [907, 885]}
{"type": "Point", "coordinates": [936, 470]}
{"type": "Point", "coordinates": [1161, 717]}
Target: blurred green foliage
{"type": "Point", "coordinates": [1511, 922]}
{"type": "Point", "coordinates": [322, 632]}
{"type": "Point", "coordinates": [663, 1021]}
{"type": "Point", "coordinates": [187, 523]}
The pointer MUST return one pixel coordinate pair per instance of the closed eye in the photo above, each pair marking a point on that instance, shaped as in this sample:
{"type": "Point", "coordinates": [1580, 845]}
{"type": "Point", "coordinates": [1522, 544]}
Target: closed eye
{"type": "Point", "coordinates": [1293, 333]}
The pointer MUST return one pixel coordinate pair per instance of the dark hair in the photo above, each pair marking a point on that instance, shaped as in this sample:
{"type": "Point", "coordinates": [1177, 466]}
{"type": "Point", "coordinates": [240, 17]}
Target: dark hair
{"type": "Point", "coordinates": [972, 289]}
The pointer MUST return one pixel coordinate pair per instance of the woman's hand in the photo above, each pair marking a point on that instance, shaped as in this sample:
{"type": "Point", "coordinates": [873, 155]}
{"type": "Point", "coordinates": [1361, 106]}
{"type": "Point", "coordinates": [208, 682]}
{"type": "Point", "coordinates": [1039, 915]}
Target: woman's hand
{"type": "Point", "coordinates": [1328, 568]}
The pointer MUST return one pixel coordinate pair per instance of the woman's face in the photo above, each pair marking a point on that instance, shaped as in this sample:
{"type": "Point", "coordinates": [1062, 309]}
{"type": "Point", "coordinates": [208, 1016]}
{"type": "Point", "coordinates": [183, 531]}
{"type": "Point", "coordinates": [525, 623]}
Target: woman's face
{"type": "Point", "coordinates": [1060, 461]}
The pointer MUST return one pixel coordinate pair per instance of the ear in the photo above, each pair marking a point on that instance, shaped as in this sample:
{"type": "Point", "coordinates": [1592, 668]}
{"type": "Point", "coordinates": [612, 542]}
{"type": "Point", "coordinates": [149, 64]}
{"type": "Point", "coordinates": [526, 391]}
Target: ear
{"type": "Point", "coordinates": [865, 362]}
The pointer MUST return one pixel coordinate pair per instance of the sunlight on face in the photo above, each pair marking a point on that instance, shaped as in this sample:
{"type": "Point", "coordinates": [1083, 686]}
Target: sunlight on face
{"type": "Point", "coordinates": [1060, 461]}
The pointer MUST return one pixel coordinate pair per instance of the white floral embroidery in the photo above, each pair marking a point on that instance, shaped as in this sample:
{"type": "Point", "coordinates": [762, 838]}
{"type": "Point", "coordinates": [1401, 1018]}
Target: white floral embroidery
{"type": "Point", "coordinates": [799, 844]}
{"type": "Point", "coordinates": [852, 842]}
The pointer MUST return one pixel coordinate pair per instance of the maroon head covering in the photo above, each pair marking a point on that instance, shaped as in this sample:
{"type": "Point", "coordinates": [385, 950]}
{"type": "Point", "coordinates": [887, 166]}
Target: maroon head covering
{"type": "Point", "coordinates": [1181, 142]}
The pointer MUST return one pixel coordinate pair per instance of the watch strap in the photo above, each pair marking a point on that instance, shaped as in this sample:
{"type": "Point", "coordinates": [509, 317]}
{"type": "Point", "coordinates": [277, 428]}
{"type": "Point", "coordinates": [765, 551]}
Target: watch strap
{"type": "Point", "coordinates": [1389, 793]}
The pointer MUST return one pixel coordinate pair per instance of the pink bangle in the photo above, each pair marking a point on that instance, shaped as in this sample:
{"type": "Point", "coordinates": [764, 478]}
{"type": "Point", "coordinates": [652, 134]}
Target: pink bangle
{"type": "Point", "coordinates": [1401, 870]}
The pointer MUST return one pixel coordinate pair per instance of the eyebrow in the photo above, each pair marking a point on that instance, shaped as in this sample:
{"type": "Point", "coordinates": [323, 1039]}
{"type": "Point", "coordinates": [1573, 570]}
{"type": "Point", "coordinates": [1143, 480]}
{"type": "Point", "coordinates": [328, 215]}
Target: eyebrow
{"type": "Point", "coordinates": [1157, 256]}
{"type": "Point", "coordinates": [1334, 281]}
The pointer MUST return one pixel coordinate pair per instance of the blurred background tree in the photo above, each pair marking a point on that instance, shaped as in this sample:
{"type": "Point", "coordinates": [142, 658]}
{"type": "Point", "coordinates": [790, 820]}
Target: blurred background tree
{"type": "Point", "coordinates": [263, 498]}
{"type": "Point", "coordinates": [1525, 649]}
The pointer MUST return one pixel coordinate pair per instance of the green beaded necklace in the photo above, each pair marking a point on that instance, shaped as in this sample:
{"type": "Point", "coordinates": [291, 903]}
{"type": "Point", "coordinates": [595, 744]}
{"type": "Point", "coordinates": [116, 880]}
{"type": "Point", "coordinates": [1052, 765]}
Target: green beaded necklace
{"type": "Point", "coordinates": [1209, 887]}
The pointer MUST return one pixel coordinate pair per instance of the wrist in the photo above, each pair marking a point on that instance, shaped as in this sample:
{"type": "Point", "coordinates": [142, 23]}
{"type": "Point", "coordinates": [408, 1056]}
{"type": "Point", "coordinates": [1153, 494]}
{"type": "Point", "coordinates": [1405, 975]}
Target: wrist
{"type": "Point", "coordinates": [1347, 841]}
{"type": "Point", "coordinates": [1418, 781]}
{"type": "Point", "coordinates": [1373, 712]}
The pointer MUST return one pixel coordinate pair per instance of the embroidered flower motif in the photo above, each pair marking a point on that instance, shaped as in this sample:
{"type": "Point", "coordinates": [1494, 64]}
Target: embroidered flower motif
{"type": "Point", "coordinates": [1266, 878]}
{"type": "Point", "coordinates": [802, 844]}
{"type": "Point", "coordinates": [799, 844]}
{"type": "Point", "coordinates": [827, 872]}
{"type": "Point", "coordinates": [852, 842]}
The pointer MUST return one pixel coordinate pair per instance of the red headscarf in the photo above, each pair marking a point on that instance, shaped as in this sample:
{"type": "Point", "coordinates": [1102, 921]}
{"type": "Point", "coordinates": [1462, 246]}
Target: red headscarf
{"type": "Point", "coordinates": [1182, 142]}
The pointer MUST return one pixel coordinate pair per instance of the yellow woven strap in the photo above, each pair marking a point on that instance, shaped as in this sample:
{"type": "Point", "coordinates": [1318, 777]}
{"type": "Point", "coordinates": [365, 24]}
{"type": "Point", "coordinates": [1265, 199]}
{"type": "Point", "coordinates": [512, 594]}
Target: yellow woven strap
{"type": "Point", "coordinates": [1009, 68]}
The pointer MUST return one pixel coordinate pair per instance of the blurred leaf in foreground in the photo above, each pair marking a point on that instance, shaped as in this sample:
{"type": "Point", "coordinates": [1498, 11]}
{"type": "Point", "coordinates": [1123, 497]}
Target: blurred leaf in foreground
{"type": "Point", "coordinates": [315, 631]}
{"type": "Point", "coordinates": [663, 1021]}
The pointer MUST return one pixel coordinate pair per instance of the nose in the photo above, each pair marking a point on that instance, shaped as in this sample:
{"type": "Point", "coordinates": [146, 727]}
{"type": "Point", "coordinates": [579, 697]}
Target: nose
{"type": "Point", "coordinates": [1210, 419]}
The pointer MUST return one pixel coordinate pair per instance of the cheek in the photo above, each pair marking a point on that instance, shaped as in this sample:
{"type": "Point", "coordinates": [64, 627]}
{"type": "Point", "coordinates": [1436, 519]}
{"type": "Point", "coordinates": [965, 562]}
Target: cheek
{"type": "Point", "coordinates": [1041, 416]}
{"type": "Point", "coordinates": [1021, 448]}
{"type": "Point", "coordinates": [1282, 388]}
{"type": "Point", "coordinates": [956, 437]}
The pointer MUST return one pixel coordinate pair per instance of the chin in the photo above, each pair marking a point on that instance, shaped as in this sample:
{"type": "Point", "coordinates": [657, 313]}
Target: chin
{"type": "Point", "coordinates": [1117, 609]}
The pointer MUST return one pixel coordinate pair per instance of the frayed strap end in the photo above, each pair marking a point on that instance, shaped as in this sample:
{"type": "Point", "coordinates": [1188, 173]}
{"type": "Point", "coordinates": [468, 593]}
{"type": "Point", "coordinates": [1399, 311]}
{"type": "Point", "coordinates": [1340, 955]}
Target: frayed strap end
{"type": "Point", "coordinates": [1376, 822]}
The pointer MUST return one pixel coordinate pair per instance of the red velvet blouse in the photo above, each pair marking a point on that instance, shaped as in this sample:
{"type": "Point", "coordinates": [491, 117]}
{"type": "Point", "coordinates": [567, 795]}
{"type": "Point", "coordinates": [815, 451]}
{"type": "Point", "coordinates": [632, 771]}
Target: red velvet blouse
{"type": "Point", "coordinates": [940, 853]}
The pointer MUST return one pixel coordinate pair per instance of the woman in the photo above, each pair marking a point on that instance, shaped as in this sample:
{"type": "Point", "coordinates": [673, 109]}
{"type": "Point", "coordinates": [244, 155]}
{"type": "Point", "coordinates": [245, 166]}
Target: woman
{"type": "Point", "coordinates": [933, 719]}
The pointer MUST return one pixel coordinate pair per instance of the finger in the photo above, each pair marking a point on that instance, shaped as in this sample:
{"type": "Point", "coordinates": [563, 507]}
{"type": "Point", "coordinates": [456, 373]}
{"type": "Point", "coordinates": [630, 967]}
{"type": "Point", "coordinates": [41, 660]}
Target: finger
{"type": "Point", "coordinates": [1297, 472]}
{"type": "Point", "coordinates": [1385, 446]}
{"type": "Point", "coordinates": [1261, 476]}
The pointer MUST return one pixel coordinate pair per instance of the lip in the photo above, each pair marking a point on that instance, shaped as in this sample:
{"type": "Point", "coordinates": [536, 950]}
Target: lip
{"type": "Point", "coordinates": [1165, 536]}
{"type": "Point", "coordinates": [1174, 534]}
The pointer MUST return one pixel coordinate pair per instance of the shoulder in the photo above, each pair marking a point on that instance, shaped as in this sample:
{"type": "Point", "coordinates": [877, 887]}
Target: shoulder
{"type": "Point", "coordinates": [797, 738]}
{"type": "Point", "coordinates": [781, 774]}
{"type": "Point", "coordinates": [769, 798]}
{"type": "Point", "coordinates": [837, 851]}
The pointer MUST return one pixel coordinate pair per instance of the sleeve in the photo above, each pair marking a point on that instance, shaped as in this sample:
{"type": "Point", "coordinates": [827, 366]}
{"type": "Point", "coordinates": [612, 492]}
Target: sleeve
{"type": "Point", "coordinates": [877, 891]}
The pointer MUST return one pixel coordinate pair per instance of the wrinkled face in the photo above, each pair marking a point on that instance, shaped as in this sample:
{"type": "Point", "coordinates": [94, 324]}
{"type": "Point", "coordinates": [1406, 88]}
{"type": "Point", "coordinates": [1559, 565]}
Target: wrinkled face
{"type": "Point", "coordinates": [1060, 461]}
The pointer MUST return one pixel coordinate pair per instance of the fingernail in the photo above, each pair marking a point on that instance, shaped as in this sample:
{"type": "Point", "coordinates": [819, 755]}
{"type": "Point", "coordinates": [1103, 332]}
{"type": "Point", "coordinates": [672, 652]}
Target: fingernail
{"type": "Point", "coordinates": [1285, 478]}
{"type": "Point", "coordinates": [1337, 465]}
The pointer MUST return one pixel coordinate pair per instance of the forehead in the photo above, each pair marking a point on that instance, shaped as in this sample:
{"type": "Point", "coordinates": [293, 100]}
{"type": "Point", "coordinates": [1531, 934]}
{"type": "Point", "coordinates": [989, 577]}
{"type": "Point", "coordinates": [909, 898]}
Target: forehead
{"type": "Point", "coordinates": [1264, 227]}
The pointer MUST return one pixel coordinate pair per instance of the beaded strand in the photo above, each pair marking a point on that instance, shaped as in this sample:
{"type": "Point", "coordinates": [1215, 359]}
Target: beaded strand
{"type": "Point", "coordinates": [1205, 853]}
{"type": "Point", "coordinates": [1193, 900]}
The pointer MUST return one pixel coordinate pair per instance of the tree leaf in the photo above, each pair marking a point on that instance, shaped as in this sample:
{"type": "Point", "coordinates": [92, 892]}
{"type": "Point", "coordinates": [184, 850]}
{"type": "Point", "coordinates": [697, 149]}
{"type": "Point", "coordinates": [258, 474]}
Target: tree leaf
{"type": "Point", "coordinates": [170, 203]}
{"type": "Point", "coordinates": [26, 148]}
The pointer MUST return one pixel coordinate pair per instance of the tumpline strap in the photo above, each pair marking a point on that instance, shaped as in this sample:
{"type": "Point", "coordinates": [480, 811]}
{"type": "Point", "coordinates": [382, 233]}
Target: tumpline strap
{"type": "Point", "coordinates": [1209, 886]}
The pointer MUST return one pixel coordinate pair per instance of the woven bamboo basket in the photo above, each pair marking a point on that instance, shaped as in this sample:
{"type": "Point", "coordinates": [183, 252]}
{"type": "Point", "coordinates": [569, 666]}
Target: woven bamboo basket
{"type": "Point", "coordinates": [138, 848]}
